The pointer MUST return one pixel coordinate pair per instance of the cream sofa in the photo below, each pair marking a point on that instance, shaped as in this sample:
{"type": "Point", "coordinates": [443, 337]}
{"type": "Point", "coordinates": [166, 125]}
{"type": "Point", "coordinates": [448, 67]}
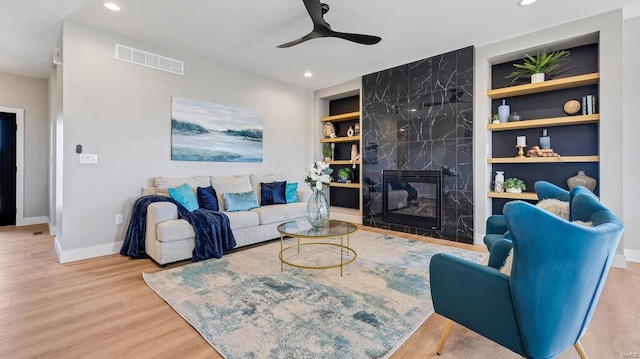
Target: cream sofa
{"type": "Point", "coordinates": [169, 239]}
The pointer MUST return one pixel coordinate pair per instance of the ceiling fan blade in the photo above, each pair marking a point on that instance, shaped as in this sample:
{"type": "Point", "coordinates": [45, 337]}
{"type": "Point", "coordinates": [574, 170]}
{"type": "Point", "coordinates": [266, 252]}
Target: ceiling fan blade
{"type": "Point", "coordinates": [359, 38]}
{"type": "Point", "coordinates": [314, 8]}
{"type": "Point", "coordinates": [309, 36]}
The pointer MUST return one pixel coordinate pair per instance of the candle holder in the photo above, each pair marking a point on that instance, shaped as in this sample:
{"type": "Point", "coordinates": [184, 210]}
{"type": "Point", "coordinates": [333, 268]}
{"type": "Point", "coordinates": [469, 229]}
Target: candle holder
{"type": "Point", "coordinates": [520, 151]}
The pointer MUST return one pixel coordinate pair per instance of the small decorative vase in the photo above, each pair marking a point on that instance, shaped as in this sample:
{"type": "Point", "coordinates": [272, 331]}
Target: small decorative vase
{"type": "Point", "coordinates": [513, 190]}
{"type": "Point", "coordinates": [537, 78]}
{"type": "Point", "coordinates": [582, 179]}
{"type": "Point", "coordinates": [499, 181]}
{"type": "Point", "coordinates": [318, 209]}
{"type": "Point", "coordinates": [503, 111]}
{"type": "Point", "coordinates": [515, 117]}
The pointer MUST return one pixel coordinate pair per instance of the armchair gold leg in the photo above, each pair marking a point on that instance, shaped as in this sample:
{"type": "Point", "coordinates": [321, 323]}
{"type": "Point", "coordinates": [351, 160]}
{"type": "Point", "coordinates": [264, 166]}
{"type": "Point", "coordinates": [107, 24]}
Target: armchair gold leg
{"type": "Point", "coordinates": [444, 336]}
{"type": "Point", "coordinates": [580, 350]}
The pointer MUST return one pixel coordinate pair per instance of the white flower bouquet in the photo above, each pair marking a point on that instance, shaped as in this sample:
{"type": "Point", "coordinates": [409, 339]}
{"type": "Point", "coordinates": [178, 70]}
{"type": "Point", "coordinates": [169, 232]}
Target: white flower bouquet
{"type": "Point", "coordinates": [318, 175]}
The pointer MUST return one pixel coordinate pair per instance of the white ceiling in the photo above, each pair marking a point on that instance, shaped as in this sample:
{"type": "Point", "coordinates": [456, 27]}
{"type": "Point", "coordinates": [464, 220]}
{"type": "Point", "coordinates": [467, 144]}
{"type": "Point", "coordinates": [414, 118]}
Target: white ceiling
{"type": "Point", "coordinates": [244, 34]}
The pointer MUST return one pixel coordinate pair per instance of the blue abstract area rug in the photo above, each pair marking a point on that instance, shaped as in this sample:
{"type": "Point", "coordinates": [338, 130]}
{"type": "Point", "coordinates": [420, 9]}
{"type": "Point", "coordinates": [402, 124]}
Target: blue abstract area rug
{"type": "Point", "coordinates": [245, 307]}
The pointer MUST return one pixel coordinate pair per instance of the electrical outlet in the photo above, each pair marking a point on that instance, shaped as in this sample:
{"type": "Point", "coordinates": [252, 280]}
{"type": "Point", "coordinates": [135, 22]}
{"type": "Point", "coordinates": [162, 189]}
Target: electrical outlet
{"type": "Point", "coordinates": [119, 219]}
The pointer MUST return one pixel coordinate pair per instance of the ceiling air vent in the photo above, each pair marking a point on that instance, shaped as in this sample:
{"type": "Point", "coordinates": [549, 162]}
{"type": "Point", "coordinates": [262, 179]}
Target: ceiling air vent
{"type": "Point", "coordinates": [148, 59]}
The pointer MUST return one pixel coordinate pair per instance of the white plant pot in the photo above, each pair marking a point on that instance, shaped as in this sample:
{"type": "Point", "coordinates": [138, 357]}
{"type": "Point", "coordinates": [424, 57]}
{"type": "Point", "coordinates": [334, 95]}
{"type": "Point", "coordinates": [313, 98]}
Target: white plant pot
{"type": "Point", "coordinates": [537, 78]}
{"type": "Point", "coordinates": [513, 190]}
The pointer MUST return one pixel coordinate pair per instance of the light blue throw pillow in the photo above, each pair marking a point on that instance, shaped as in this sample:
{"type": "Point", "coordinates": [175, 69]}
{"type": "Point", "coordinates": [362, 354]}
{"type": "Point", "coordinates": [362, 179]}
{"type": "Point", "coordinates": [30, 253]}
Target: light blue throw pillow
{"type": "Point", "coordinates": [185, 196]}
{"type": "Point", "coordinates": [292, 195]}
{"type": "Point", "coordinates": [240, 201]}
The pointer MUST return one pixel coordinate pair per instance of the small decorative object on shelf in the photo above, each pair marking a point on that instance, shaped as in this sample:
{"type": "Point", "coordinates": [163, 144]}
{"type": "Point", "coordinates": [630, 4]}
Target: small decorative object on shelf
{"type": "Point", "coordinates": [327, 152]}
{"type": "Point", "coordinates": [545, 140]}
{"type": "Point", "coordinates": [345, 175]}
{"type": "Point", "coordinates": [503, 111]}
{"type": "Point", "coordinates": [333, 151]}
{"type": "Point", "coordinates": [536, 151]}
{"type": "Point", "coordinates": [356, 128]}
{"type": "Point", "coordinates": [572, 107]}
{"type": "Point", "coordinates": [350, 132]}
{"type": "Point", "coordinates": [355, 156]}
{"type": "Point", "coordinates": [514, 117]}
{"type": "Point", "coordinates": [543, 63]}
{"type": "Point", "coordinates": [521, 143]}
{"type": "Point", "coordinates": [318, 177]}
{"type": "Point", "coordinates": [328, 130]}
{"type": "Point", "coordinates": [514, 185]}
{"type": "Point", "coordinates": [581, 179]}
{"type": "Point", "coordinates": [495, 119]}
{"type": "Point", "coordinates": [499, 182]}
{"type": "Point", "coordinates": [589, 105]}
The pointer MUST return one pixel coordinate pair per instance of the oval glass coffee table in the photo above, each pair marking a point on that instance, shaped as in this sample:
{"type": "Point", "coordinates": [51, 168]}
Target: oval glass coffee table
{"type": "Point", "coordinates": [306, 235]}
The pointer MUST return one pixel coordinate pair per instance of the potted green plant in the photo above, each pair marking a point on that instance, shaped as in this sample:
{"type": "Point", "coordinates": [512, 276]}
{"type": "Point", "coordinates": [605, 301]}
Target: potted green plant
{"type": "Point", "coordinates": [345, 174]}
{"type": "Point", "coordinates": [514, 185]}
{"type": "Point", "coordinates": [543, 63]}
{"type": "Point", "coordinates": [326, 152]}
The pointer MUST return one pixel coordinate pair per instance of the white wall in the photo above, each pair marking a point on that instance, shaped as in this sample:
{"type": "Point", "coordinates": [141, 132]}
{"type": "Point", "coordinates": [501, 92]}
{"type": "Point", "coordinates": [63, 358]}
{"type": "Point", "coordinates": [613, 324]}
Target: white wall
{"type": "Point", "coordinates": [121, 112]}
{"type": "Point", "coordinates": [631, 164]}
{"type": "Point", "coordinates": [609, 26]}
{"type": "Point", "coordinates": [30, 94]}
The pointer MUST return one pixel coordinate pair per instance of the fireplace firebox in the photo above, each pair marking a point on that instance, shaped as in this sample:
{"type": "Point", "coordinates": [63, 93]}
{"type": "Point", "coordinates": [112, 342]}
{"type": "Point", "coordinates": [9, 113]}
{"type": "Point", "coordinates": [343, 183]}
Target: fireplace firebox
{"type": "Point", "coordinates": [412, 197]}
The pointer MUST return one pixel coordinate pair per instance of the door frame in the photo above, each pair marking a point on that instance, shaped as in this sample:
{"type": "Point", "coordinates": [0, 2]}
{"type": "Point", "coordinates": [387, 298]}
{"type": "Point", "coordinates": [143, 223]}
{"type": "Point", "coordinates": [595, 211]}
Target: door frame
{"type": "Point", "coordinates": [19, 112]}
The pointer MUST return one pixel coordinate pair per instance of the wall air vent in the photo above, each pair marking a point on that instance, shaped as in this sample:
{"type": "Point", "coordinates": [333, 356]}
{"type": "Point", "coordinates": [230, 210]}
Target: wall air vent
{"type": "Point", "coordinates": [148, 59]}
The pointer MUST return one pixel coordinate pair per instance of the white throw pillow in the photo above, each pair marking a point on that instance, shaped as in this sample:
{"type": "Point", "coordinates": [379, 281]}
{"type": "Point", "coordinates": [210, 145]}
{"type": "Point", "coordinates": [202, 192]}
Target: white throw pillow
{"type": "Point", "coordinates": [555, 206]}
{"type": "Point", "coordinates": [235, 184]}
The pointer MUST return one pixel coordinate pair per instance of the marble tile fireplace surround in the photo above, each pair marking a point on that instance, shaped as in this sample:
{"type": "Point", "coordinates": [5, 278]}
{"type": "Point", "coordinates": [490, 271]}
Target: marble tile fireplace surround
{"type": "Point", "coordinates": [419, 116]}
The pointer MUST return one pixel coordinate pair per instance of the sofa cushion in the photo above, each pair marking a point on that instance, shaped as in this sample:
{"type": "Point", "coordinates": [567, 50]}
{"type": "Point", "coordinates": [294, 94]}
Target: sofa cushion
{"type": "Point", "coordinates": [162, 184]}
{"type": "Point", "coordinates": [273, 193]}
{"type": "Point", "coordinates": [243, 219]}
{"type": "Point", "coordinates": [291, 192]}
{"type": "Point", "coordinates": [174, 230]}
{"type": "Point", "coordinates": [281, 212]}
{"type": "Point", "coordinates": [257, 179]}
{"type": "Point", "coordinates": [240, 201]}
{"type": "Point", "coordinates": [208, 199]}
{"type": "Point", "coordinates": [236, 184]}
{"type": "Point", "coordinates": [185, 196]}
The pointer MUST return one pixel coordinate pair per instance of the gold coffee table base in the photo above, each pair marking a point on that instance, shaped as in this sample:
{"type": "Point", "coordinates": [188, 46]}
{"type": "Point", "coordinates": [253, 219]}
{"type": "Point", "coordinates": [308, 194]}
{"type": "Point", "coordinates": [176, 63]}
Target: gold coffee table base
{"type": "Point", "coordinates": [333, 230]}
{"type": "Point", "coordinates": [298, 265]}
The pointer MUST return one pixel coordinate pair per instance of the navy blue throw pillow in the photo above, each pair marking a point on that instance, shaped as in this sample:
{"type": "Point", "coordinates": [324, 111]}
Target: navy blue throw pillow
{"type": "Point", "coordinates": [273, 193]}
{"type": "Point", "coordinates": [207, 198]}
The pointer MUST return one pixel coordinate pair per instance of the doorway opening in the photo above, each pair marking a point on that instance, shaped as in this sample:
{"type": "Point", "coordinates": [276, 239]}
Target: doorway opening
{"type": "Point", "coordinates": [11, 166]}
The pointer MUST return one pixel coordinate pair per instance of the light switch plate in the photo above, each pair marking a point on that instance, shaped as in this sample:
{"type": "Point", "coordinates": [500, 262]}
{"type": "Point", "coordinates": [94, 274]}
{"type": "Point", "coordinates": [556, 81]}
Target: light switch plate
{"type": "Point", "coordinates": [88, 159]}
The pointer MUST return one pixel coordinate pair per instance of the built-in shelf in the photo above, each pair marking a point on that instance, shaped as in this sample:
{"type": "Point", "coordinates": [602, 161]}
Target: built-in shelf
{"type": "Point", "coordinates": [342, 162]}
{"type": "Point", "coordinates": [340, 139]}
{"type": "Point", "coordinates": [345, 185]}
{"type": "Point", "coordinates": [343, 117]}
{"type": "Point", "coordinates": [527, 196]}
{"type": "Point", "coordinates": [544, 122]}
{"type": "Point", "coordinates": [560, 159]}
{"type": "Point", "coordinates": [550, 85]}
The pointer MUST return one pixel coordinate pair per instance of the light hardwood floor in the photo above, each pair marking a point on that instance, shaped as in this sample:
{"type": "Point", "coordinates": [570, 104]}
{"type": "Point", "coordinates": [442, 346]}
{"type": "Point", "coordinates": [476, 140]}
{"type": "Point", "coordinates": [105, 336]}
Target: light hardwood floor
{"type": "Point", "coordinates": [101, 308]}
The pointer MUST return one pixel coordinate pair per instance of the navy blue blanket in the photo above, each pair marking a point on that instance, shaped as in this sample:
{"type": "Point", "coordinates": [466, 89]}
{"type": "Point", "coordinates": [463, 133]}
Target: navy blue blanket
{"type": "Point", "coordinates": [213, 232]}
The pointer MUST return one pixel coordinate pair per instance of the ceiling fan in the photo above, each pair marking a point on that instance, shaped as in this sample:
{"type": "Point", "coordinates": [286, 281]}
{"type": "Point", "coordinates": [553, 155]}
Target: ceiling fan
{"type": "Point", "coordinates": [321, 28]}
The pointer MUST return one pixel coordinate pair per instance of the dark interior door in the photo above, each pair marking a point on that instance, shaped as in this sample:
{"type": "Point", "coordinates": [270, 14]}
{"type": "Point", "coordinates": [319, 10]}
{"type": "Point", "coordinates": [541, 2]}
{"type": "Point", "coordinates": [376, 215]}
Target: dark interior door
{"type": "Point", "coordinates": [7, 169]}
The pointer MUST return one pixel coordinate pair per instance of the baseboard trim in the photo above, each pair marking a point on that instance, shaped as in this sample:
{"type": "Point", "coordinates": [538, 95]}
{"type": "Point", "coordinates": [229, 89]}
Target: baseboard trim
{"type": "Point", "coordinates": [34, 220]}
{"type": "Point", "coordinates": [79, 254]}
{"type": "Point", "coordinates": [633, 255]}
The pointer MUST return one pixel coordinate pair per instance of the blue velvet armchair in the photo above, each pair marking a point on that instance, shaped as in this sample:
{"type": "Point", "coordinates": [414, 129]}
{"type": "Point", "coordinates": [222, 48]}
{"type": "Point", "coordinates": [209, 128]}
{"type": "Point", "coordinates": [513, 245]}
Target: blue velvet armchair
{"type": "Point", "coordinates": [558, 272]}
{"type": "Point", "coordinates": [498, 244]}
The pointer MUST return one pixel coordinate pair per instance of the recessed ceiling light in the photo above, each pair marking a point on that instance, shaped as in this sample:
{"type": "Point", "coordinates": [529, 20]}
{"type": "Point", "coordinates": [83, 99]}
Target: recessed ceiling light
{"type": "Point", "coordinates": [308, 74]}
{"type": "Point", "coordinates": [526, 2]}
{"type": "Point", "coordinates": [112, 6]}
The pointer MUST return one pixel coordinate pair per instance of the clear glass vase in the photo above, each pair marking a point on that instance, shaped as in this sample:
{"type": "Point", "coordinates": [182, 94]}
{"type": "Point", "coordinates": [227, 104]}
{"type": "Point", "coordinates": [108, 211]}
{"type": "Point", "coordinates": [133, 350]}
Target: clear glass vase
{"type": "Point", "coordinates": [318, 209]}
